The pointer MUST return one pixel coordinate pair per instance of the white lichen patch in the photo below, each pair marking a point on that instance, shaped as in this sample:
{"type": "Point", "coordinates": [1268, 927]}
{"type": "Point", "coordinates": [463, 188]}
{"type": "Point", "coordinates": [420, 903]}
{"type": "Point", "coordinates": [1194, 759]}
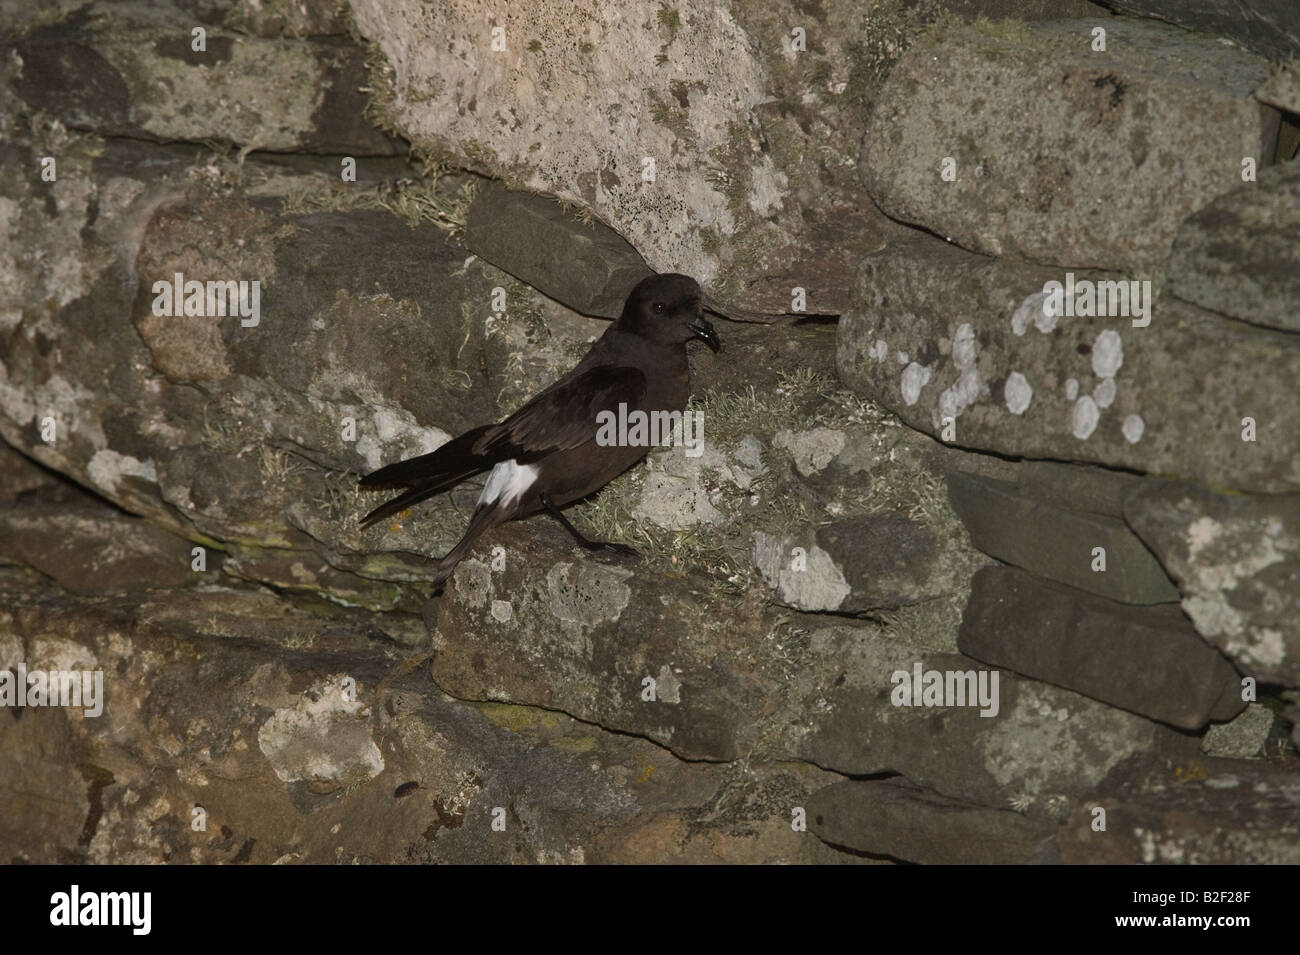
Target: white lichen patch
{"type": "Point", "coordinates": [878, 351]}
{"type": "Point", "coordinates": [1071, 388]}
{"type": "Point", "coordinates": [1133, 428]}
{"type": "Point", "coordinates": [1045, 319]}
{"type": "Point", "coordinates": [1107, 354]}
{"type": "Point", "coordinates": [1032, 309]}
{"type": "Point", "coordinates": [1229, 567]}
{"type": "Point", "coordinates": [960, 395]}
{"type": "Point", "coordinates": [1104, 393]}
{"type": "Point", "coordinates": [768, 187]}
{"type": "Point", "coordinates": [108, 467]}
{"type": "Point", "coordinates": [1018, 393]}
{"type": "Point", "coordinates": [588, 593]}
{"type": "Point", "coordinates": [394, 431]}
{"type": "Point", "coordinates": [915, 377]}
{"type": "Point", "coordinates": [1222, 555]}
{"type": "Point", "coordinates": [1047, 740]}
{"type": "Point", "coordinates": [675, 494]}
{"type": "Point", "coordinates": [324, 737]}
{"type": "Point", "coordinates": [1085, 419]}
{"type": "Point", "coordinates": [965, 349]}
{"type": "Point", "coordinates": [815, 584]}
{"type": "Point", "coordinates": [58, 653]}
{"type": "Point", "coordinates": [668, 689]}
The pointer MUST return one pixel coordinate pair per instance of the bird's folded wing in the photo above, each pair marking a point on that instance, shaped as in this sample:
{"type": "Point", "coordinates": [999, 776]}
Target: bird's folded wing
{"type": "Point", "coordinates": [564, 415]}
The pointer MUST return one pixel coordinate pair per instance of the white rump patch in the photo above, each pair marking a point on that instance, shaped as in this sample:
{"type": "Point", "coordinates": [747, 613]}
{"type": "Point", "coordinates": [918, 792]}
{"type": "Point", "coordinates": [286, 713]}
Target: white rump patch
{"type": "Point", "coordinates": [507, 483]}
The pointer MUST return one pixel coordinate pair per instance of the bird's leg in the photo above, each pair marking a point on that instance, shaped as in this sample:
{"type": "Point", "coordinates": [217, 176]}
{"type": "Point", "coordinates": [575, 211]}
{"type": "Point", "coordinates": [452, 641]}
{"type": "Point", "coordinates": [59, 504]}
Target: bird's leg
{"type": "Point", "coordinates": [583, 542]}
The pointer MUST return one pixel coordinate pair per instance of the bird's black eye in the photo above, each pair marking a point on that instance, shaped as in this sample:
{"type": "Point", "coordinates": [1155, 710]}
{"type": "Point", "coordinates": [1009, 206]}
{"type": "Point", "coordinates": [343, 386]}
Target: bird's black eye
{"type": "Point", "coordinates": [660, 308]}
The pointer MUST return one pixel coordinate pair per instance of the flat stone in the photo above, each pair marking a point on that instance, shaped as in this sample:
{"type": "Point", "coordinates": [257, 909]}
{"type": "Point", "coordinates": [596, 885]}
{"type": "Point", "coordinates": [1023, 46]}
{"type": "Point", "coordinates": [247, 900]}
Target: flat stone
{"type": "Point", "coordinates": [1057, 543]}
{"type": "Point", "coordinates": [1148, 660]}
{"type": "Point", "coordinates": [1282, 89]}
{"type": "Point", "coordinates": [587, 266]}
{"type": "Point", "coordinates": [89, 547]}
{"type": "Point", "coordinates": [303, 731]}
{"type": "Point", "coordinates": [1067, 486]}
{"type": "Point", "coordinates": [892, 817]}
{"type": "Point", "coordinates": [701, 137]}
{"type": "Point", "coordinates": [564, 631]}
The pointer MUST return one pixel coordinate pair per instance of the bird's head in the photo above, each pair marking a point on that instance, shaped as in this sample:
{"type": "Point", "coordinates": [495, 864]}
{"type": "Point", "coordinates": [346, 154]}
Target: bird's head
{"type": "Point", "coordinates": [668, 309]}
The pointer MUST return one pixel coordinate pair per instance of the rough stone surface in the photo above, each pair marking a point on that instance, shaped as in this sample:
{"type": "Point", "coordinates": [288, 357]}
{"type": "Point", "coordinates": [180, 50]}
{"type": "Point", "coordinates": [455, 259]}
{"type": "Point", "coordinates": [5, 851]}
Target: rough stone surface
{"type": "Point", "coordinates": [583, 637]}
{"type": "Point", "coordinates": [1270, 27]}
{"type": "Point", "coordinates": [812, 450]}
{"type": "Point", "coordinates": [881, 561]}
{"type": "Point", "coordinates": [1040, 751]}
{"type": "Point", "coordinates": [91, 548]}
{"type": "Point", "coordinates": [1244, 737]}
{"type": "Point", "coordinates": [1237, 563]}
{"type": "Point", "coordinates": [586, 638]}
{"type": "Point", "coordinates": [1240, 255]}
{"type": "Point", "coordinates": [314, 743]}
{"type": "Point", "coordinates": [590, 268]}
{"type": "Point", "coordinates": [1054, 542]}
{"type": "Point", "coordinates": [1178, 389]}
{"type": "Point", "coordinates": [1198, 812]}
{"type": "Point", "coordinates": [893, 818]}
{"type": "Point", "coordinates": [20, 474]}
{"type": "Point", "coordinates": [138, 76]}
{"type": "Point", "coordinates": [1073, 487]}
{"type": "Point", "coordinates": [690, 705]}
{"type": "Point", "coordinates": [373, 341]}
{"type": "Point", "coordinates": [1147, 660]}
{"type": "Point", "coordinates": [752, 189]}
{"type": "Point", "coordinates": [1104, 166]}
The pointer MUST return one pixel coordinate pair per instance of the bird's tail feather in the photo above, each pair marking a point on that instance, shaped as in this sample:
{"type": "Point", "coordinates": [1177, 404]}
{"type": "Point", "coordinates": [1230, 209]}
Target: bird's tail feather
{"type": "Point", "coordinates": [455, 457]}
{"type": "Point", "coordinates": [427, 475]}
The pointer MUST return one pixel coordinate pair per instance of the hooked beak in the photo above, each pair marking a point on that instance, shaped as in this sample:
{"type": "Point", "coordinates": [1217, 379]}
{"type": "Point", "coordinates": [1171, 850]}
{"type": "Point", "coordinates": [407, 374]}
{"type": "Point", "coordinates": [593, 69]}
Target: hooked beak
{"type": "Point", "coordinates": [702, 330]}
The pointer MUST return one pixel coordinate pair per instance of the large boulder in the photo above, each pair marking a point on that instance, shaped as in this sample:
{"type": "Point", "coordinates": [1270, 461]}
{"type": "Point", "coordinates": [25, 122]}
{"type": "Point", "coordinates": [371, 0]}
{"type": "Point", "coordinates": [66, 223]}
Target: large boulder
{"type": "Point", "coordinates": [971, 349]}
{"type": "Point", "coordinates": [720, 139]}
{"type": "Point", "coordinates": [1084, 157]}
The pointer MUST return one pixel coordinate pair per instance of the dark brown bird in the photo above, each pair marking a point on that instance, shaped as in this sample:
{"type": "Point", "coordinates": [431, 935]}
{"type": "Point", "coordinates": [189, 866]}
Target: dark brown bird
{"type": "Point", "coordinates": [545, 455]}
